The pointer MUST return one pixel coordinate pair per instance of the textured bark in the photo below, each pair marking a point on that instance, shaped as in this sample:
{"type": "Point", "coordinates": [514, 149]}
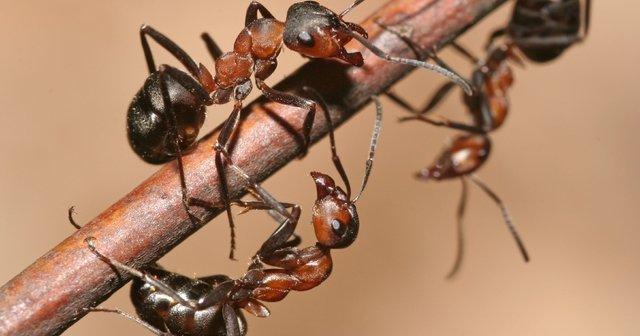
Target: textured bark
{"type": "Point", "coordinates": [48, 296]}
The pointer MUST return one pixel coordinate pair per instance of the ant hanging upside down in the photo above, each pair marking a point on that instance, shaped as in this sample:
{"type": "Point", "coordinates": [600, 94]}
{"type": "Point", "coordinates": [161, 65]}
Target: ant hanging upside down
{"type": "Point", "coordinates": [466, 153]}
{"type": "Point", "coordinates": [171, 304]}
{"type": "Point", "coordinates": [167, 113]}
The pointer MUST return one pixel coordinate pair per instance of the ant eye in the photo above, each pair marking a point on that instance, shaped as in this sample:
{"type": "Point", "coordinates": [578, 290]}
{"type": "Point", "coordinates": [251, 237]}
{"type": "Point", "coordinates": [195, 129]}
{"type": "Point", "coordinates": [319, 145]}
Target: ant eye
{"type": "Point", "coordinates": [337, 227]}
{"type": "Point", "coordinates": [306, 39]}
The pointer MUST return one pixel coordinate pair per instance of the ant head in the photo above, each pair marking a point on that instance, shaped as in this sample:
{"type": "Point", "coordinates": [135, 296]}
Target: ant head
{"type": "Point", "coordinates": [335, 218]}
{"type": "Point", "coordinates": [317, 32]}
{"type": "Point", "coordinates": [463, 156]}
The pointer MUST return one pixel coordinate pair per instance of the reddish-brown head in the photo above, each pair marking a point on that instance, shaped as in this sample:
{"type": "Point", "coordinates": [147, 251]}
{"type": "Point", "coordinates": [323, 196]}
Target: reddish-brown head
{"type": "Point", "coordinates": [465, 155]}
{"type": "Point", "coordinates": [335, 218]}
{"type": "Point", "coordinates": [317, 32]}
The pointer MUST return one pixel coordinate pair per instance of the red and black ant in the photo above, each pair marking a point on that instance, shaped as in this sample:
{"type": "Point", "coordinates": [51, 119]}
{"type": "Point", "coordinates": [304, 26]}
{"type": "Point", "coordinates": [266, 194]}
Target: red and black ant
{"type": "Point", "coordinates": [166, 114]}
{"type": "Point", "coordinates": [169, 304]}
{"type": "Point", "coordinates": [488, 106]}
{"type": "Point", "coordinates": [543, 29]}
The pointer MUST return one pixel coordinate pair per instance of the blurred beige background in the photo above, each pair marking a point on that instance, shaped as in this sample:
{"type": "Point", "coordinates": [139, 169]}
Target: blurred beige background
{"type": "Point", "coordinates": [564, 164]}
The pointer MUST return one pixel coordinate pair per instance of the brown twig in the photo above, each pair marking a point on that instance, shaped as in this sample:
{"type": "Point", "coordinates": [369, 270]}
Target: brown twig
{"type": "Point", "coordinates": [48, 296]}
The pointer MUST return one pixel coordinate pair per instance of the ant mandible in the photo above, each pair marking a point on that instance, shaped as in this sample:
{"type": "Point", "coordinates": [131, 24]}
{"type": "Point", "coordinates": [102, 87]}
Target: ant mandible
{"type": "Point", "coordinates": [544, 29]}
{"type": "Point", "coordinates": [336, 225]}
{"type": "Point", "coordinates": [488, 106]}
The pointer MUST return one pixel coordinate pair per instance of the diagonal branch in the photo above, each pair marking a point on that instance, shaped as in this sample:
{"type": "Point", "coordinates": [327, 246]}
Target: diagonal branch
{"type": "Point", "coordinates": [48, 296]}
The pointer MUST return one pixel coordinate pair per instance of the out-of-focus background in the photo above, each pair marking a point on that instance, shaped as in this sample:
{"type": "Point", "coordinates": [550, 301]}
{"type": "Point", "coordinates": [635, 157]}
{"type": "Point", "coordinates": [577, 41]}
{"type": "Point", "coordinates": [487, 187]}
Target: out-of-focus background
{"type": "Point", "coordinates": [563, 162]}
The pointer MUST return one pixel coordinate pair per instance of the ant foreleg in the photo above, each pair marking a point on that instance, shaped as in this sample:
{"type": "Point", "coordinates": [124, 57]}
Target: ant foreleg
{"type": "Point", "coordinates": [293, 100]}
{"type": "Point", "coordinates": [131, 317]}
{"type": "Point", "coordinates": [462, 205]}
{"type": "Point", "coordinates": [167, 44]}
{"type": "Point", "coordinates": [252, 12]}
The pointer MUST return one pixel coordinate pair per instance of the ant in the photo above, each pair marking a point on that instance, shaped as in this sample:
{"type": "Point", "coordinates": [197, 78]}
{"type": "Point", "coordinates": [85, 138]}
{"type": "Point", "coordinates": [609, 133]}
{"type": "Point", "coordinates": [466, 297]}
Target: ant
{"type": "Point", "coordinates": [488, 106]}
{"type": "Point", "coordinates": [162, 307]}
{"type": "Point", "coordinates": [167, 113]}
{"type": "Point", "coordinates": [544, 29]}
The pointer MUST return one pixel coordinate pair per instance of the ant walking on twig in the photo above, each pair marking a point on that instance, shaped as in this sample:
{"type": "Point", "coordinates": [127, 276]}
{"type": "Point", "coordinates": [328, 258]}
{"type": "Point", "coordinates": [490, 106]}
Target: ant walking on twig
{"type": "Point", "coordinates": [488, 106]}
{"type": "Point", "coordinates": [336, 225]}
{"type": "Point", "coordinates": [544, 29]}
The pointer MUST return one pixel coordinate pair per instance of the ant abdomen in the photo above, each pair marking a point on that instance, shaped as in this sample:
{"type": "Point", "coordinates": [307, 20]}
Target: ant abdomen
{"type": "Point", "coordinates": [150, 133]}
{"type": "Point", "coordinates": [161, 311]}
{"type": "Point", "coordinates": [466, 154]}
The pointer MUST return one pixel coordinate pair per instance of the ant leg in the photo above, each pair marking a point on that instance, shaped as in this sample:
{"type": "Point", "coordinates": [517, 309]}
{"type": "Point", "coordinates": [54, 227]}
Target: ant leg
{"type": "Point", "coordinates": [221, 156]}
{"type": "Point", "coordinates": [460, 230]}
{"type": "Point", "coordinates": [168, 45]}
{"type": "Point", "coordinates": [252, 12]}
{"type": "Point", "coordinates": [505, 215]}
{"type": "Point", "coordinates": [212, 46]}
{"type": "Point", "coordinates": [444, 122]}
{"type": "Point", "coordinates": [495, 35]}
{"type": "Point", "coordinates": [292, 100]}
{"type": "Point", "coordinates": [277, 216]}
{"type": "Point", "coordinates": [440, 94]}
{"type": "Point", "coordinates": [230, 320]}
{"type": "Point", "coordinates": [332, 139]}
{"type": "Point", "coordinates": [133, 318]}
{"type": "Point", "coordinates": [465, 52]}
{"type": "Point", "coordinates": [71, 212]}
{"type": "Point", "coordinates": [140, 275]}
{"type": "Point", "coordinates": [587, 18]}
{"type": "Point", "coordinates": [172, 124]}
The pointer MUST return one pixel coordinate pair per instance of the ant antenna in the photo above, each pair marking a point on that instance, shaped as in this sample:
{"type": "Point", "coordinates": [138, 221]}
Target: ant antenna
{"type": "Point", "coordinates": [372, 147]}
{"type": "Point", "coordinates": [377, 127]}
{"type": "Point", "coordinates": [462, 205]}
{"type": "Point", "coordinates": [505, 215]}
{"type": "Point", "coordinates": [416, 63]}
{"type": "Point", "coordinates": [350, 8]}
